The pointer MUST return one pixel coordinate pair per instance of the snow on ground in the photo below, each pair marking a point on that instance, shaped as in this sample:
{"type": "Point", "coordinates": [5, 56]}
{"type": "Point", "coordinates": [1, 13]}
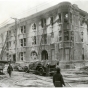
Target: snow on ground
{"type": "Point", "coordinates": [22, 79]}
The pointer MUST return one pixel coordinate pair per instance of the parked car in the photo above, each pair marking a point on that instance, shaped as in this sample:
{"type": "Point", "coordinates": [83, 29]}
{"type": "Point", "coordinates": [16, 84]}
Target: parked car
{"type": "Point", "coordinates": [21, 66]}
{"type": "Point", "coordinates": [44, 67]}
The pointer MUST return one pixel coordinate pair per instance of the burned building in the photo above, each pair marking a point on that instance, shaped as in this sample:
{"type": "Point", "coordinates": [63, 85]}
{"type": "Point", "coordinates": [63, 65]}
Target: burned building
{"type": "Point", "coordinates": [57, 33]}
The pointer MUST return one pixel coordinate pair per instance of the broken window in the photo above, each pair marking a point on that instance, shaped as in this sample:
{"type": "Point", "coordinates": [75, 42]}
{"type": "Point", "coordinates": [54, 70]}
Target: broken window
{"type": "Point", "coordinates": [65, 17]}
{"type": "Point", "coordinates": [66, 33]}
{"type": "Point", "coordinates": [44, 39]}
{"type": "Point", "coordinates": [23, 29]}
{"type": "Point", "coordinates": [43, 22]}
{"type": "Point", "coordinates": [82, 39]}
{"type": "Point", "coordinates": [23, 42]}
{"type": "Point", "coordinates": [59, 17]}
{"type": "Point", "coordinates": [51, 21]}
{"type": "Point", "coordinates": [72, 38]}
{"type": "Point", "coordinates": [70, 17]}
{"type": "Point", "coordinates": [33, 40]}
{"type": "Point", "coordinates": [60, 33]}
{"type": "Point", "coordinates": [66, 38]}
{"type": "Point", "coordinates": [60, 38]}
{"type": "Point", "coordinates": [22, 55]}
{"type": "Point", "coordinates": [34, 26]}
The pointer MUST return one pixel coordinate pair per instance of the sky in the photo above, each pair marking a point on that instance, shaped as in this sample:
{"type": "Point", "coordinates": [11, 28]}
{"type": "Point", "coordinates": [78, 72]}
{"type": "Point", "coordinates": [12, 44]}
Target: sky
{"type": "Point", "coordinates": [22, 8]}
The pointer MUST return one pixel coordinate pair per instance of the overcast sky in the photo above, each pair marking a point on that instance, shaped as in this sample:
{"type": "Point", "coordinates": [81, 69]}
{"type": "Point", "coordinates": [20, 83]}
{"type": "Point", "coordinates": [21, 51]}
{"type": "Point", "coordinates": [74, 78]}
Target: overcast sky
{"type": "Point", "coordinates": [23, 8]}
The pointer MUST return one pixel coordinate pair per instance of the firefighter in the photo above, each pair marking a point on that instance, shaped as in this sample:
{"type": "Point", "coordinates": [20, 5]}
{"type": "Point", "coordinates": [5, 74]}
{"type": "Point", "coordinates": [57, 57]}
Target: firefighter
{"type": "Point", "coordinates": [58, 79]}
{"type": "Point", "coordinates": [9, 69]}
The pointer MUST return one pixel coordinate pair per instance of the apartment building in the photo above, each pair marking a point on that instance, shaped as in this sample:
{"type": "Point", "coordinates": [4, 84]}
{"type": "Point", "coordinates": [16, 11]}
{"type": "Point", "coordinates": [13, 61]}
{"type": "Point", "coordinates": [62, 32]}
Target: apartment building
{"type": "Point", "coordinates": [57, 33]}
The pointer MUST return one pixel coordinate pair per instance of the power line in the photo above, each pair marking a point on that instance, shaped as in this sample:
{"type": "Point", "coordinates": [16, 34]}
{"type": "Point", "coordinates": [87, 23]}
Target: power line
{"type": "Point", "coordinates": [8, 20]}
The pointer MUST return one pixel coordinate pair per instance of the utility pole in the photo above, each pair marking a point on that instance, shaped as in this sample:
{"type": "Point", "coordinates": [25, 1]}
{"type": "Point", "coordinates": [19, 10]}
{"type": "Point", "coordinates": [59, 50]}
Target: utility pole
{"type": "Point", "coordinates": [16, 37]}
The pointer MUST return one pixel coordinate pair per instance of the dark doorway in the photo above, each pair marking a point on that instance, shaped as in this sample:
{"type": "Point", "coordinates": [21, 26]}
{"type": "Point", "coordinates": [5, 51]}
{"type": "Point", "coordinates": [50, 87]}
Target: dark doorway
{"type": "Point", "coordinates": [44, 55]}
{"type": "Point", "coordinates": [14, 57]}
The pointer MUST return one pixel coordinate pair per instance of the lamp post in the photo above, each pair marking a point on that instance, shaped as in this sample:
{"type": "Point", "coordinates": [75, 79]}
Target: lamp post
{"type": "Point", "coordinates": [15, 37]}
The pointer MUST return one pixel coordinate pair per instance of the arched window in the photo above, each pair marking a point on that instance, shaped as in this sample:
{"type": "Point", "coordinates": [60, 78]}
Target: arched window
{"type": "Point", "coordinates": [43, 22]}
{"type": "Point", "coordinates": [34, 26]}
{"type": "Point", "coordinates": [51, 21]}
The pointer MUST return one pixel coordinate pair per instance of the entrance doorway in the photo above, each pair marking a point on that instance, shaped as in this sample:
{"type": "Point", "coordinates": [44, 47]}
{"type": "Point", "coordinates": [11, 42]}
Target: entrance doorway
{"type": "Point", "coordinates": [44, 55]}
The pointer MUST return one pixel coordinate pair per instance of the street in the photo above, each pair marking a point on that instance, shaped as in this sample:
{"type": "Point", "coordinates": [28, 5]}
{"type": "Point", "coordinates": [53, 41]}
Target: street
{"type": "Point", "coordinates": [22, 79]}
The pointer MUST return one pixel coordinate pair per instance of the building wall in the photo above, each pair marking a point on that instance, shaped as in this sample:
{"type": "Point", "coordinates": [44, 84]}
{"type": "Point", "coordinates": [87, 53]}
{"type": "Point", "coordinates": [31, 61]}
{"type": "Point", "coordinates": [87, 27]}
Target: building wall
{"type": "Point", "coordinates": [67, 42]}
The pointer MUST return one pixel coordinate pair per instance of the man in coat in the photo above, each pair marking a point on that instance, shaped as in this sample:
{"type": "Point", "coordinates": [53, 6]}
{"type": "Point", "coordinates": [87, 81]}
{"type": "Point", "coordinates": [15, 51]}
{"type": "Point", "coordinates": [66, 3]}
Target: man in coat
{"type": "Point", "coordinates": [58, 79]}
{"type": "Point", "coordinates": [9, 69]}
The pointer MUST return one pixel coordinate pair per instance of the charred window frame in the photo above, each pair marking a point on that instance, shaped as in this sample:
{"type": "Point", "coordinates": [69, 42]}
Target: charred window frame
{"type": "Point", "coordinates": [59, 17]}
{"type": "Point", "coordinates": [23, 29]}
{"type": "Point", "coordinates": [66, 17]}
{"type": "Point", "coordinates": [60, 38]}
{"type": "Point", "coordinates": [22, 55]}
{"type": "Point", "coordinates": [43, 22]}
{"type": "Point", "coordinates": [34, 26]}
{"type": "Point", "coordinates": [51, 21]}
{"type": "Point", "coordinates": [44, 39]}
{"type": "Point", "coordinates": [23, 42]}
{"type": "Point", "coordinates": [60, 33]}
{"type": "Point", "coordinates": [70, 17]}
{"type": "Point", "coordinates": [33, 40]}
{"type": "Point", "coordinates": [66, 35]}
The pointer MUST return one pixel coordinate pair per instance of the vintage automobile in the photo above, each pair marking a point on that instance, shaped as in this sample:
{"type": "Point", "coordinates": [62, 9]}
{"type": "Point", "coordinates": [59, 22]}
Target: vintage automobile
{"type": "Point", "coordinates": [44, 67]}
{"type": "Point", "coordinates": [2, 65]}
{"type": "Point", "coordinates": [20, 66]}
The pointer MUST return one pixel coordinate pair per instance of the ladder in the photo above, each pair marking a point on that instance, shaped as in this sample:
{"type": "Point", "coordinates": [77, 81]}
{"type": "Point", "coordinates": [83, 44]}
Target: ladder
{"type": "Point", "coordinates": [4, 47]}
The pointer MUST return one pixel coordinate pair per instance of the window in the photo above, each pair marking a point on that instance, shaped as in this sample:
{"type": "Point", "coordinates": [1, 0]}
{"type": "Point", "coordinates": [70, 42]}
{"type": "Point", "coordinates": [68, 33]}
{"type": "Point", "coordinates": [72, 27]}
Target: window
{"type": "Point", "coordinates": [9, 33]}
{"type": "Point", "coordinates": [60, 32]}
{"type": "Point", "coordinates": [34, 26]}
{"type": "Point", "coordinates": [44, 39]}
{"type": "Point", "coordinates": [70, 17]}
{"type": "Point", "coordinates": [34, 40]}
{"type": "Point", "coordinates": [66, 35]}
{"type": "Point", "coordinates": [23, 29]}
{"type": "Point", "coordinates": [60, 38]}
{"type": "Point", "coordinates": [82, 39]}
{"type": "Point", "coordinates": [43, 22]}
{"type": "Point", "coordinates": [23, 42]}
{"type": "Point", "coordinates": [51, 21]}
{"type": "Point", "coordinates": [59, 17]}
{"type": "Point", "coordinates": [65, 17]}
{"type": "Point", "coordinates": [22, 56]}
{"type": "Point", "coordinates": [81, 33]}
{"type": "Point", "coordinates": [72, 38]}
{"type": "Point", "coordinates": [66, 38]}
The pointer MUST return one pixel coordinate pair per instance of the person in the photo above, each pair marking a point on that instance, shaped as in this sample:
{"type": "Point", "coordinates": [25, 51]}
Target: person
{"type": "Point", "coordinates": [9, 69]}
{"type": "Point", "coordinates": [58, 79]}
